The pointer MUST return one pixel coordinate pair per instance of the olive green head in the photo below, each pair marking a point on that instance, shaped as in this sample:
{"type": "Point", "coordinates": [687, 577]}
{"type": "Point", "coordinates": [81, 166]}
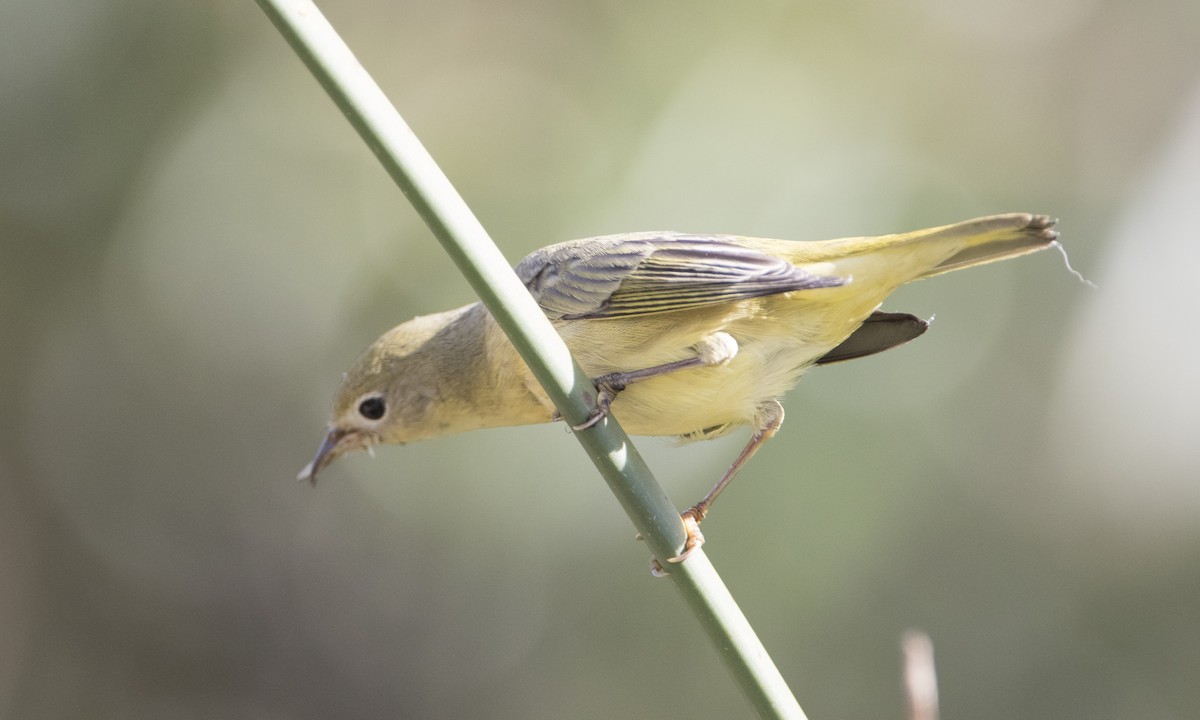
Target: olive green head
{"type": "Point", "coordinates": [386, 395]}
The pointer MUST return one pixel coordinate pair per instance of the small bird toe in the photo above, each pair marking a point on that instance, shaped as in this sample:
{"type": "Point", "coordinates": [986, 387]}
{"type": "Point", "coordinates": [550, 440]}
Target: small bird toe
{"type": "Point", "coordinates": [695, 538]}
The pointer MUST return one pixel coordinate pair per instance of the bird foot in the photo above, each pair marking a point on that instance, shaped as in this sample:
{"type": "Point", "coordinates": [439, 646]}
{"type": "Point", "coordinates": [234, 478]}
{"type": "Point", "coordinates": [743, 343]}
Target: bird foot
{"type": "Point", "coordinates": [691, 525]}
{"type": "Point", "coordinates": [607, 388]}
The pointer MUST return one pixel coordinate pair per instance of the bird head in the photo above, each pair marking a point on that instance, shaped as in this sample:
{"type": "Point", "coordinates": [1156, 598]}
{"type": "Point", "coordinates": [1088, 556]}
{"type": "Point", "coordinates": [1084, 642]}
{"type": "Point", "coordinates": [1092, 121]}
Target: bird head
{"type": "Point", "coordinates": [387, 395]}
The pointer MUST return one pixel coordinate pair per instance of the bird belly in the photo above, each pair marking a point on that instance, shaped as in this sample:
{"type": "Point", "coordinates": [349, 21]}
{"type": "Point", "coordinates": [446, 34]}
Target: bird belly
{"type": "Point", "coordinates": [778, 338]}
{"type": "Point", "coordinates": [707, 402]}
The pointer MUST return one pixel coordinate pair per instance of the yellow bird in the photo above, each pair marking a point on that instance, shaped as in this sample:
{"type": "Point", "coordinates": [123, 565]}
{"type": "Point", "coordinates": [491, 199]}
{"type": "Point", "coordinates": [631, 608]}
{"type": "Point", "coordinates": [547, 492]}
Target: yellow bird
{"type": "Point", "coordinates": [685, 335]}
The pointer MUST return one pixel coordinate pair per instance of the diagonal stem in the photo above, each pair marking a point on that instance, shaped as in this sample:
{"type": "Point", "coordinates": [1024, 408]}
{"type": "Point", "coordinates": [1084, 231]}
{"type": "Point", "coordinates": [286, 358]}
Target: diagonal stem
{"type": "Point", "coordinates": [467, 243]}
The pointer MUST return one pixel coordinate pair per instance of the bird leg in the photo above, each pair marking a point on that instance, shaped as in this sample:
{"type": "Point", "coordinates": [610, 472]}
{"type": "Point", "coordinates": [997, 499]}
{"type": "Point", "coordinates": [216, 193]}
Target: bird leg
{"type": "Point", "coordinates": [610, 385]}
{"type": "Point", "coordinates": [766, 424]}
{"type": "Point", "coordinates": [715, 349]}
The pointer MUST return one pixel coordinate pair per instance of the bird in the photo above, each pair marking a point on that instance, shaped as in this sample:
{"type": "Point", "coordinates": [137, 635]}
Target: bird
{"type": "Point", "coordinates": [684, 335]}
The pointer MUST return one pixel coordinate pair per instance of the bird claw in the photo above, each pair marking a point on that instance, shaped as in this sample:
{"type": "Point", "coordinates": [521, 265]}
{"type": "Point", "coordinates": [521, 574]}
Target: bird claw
{"type": "Point", "coordinates": [695, 538]}
{"type": "Point", "coordinates": [691, 525]}
{"type": "Point", "coordinates": [596, 416]}
{"type": "Point", "coordinates": [607, 388]}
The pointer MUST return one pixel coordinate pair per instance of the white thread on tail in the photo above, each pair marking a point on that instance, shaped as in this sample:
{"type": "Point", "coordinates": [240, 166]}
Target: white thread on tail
{"type": "Point", "coordinates": [1067, 261]}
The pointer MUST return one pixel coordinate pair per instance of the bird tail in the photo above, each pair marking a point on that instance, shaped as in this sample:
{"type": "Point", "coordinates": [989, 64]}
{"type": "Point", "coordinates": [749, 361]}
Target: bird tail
{"type": "Point", "coordinates": [888, 261]}
{"type": "Point", "coordinates": [989, 239]}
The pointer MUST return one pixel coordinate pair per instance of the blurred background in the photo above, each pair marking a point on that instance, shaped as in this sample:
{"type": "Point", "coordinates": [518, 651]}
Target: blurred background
{"type": "Point", "coordinates": [194, 245]}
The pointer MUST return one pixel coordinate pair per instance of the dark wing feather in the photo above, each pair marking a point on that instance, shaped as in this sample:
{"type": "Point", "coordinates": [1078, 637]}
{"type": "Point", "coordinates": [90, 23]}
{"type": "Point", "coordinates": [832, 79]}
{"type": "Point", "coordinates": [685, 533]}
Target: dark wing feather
{"type": "Point", "coordinates": [647, 273]}
{"type": "Point", "coordinates": [880, 331]}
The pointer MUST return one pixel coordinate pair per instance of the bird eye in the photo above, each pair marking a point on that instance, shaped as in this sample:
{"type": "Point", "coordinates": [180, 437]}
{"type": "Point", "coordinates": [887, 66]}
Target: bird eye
{"type": "Point", "coordinates": [372, 408]}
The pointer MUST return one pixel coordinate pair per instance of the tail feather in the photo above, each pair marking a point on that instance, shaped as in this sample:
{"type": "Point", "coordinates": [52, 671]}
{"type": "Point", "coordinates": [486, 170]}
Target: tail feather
{"type": "Point", "coordinates": [880, 331]}
{"type": "Point", "coordinates": [892, 260]}
{"type": "Point", "coordinates": [998, 237]}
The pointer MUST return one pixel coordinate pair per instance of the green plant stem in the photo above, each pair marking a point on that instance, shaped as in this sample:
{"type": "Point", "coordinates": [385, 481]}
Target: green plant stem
{"type": "Point", "coordinates": [489, 273]}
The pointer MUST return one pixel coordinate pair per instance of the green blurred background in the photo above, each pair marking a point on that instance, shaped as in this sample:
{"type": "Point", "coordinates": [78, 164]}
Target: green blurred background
{"type": "Point", "coordinates": [195, 245]}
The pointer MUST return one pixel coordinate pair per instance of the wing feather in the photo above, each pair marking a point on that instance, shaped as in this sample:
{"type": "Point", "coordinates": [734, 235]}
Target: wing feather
{"type": "Point", "coordinates": [647, 273]}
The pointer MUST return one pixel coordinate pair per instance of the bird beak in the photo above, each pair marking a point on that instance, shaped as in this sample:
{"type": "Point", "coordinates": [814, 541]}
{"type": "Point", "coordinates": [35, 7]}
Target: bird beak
{"type": "Point", "coordinates": [326, 454]}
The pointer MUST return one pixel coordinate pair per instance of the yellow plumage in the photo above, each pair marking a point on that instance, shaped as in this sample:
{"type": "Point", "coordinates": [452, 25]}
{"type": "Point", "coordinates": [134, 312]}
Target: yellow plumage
{"type": "Point", "coordinates": [691, 335]}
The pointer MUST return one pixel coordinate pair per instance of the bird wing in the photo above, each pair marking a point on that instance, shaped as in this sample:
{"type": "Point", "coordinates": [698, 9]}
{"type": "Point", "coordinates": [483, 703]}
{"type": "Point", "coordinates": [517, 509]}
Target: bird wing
{"type": "Point", "coordinates": [880, 331]}
{"type": "Point", "coordinates": [647, 273]}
